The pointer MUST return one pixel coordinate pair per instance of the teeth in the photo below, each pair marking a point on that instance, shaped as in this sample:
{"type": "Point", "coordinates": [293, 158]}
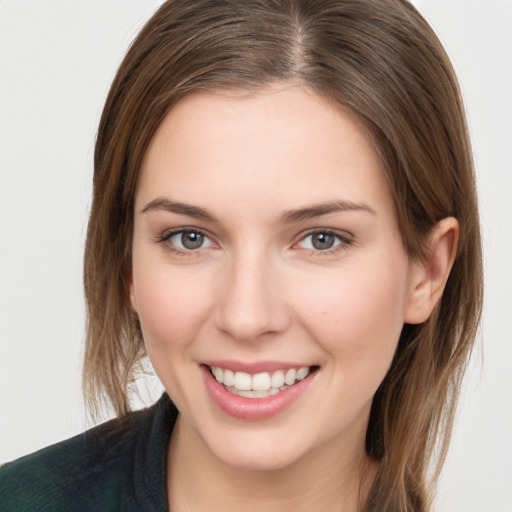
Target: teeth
{"type": "Point", "coordinates": [217, 373]}
{"type": "Point", "coordinates": [277, 379]}
{"type": "Point", "coordinates": [290, 377]}
{"type": "Point", "coordinates": [242, 381]}
{"type": "Point", "coordinates": [253, 394]}
{"type": "Point", "coordinates": [302, 373]}
{"type": "Point", "coordinates": [229, 378]}
{"type": "Point", "coordinates": [261, 384]}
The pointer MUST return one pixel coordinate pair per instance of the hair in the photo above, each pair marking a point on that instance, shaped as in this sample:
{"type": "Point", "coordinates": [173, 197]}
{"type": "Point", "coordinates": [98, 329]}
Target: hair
{"type": "Point", "coordinates": [378, 59]}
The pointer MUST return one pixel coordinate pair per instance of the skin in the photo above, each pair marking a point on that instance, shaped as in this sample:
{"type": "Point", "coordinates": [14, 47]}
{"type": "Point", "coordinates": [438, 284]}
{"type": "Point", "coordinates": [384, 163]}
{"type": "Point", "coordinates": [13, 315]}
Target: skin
{"type": "Point", "coordinates": [258, 290]}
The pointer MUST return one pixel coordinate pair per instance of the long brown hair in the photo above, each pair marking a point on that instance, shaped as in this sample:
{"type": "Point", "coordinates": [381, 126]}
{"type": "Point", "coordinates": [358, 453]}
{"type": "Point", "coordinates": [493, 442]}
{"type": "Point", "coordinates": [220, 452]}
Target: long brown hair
{"type": "Point", "coordinates": [383, 62]}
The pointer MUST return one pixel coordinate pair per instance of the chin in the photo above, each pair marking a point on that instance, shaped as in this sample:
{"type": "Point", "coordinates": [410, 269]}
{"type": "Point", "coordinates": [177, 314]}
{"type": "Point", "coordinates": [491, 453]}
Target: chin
{"type": "Point", "coordinates": [253, 459]}
{"type": "Point", "coordinates": [262, 449]}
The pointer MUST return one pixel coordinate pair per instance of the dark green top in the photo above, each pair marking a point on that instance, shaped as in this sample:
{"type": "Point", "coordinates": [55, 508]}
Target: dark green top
{"type": "Point", "coordinates": [117, 466]}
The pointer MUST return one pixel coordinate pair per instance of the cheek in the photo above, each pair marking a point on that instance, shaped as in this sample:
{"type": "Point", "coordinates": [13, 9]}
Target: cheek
{"type": "Point", "coordinates": [172, 305]}
{"type": "Point", "coordinates": [357, 316]}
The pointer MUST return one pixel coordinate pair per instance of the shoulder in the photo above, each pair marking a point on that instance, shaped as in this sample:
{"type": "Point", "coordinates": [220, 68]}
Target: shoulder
{"type": "Point", "coordinates": [57, 477]}
{"type": "Point", "coordinates": [91, 471]}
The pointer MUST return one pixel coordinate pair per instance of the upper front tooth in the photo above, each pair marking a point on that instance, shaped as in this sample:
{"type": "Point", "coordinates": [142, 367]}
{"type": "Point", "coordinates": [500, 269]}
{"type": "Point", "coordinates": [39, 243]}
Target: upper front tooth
{"type": "Point", "coordinates": [242, 381]}
{"type": "Point", "coordinates": [261, 382]}
{"type": "Point", "coordinates": [291, 374]}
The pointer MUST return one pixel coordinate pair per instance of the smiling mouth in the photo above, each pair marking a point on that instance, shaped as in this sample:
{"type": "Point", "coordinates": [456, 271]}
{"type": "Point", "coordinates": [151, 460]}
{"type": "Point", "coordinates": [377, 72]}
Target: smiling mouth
{"type": "Point", "coordinates": [259, 385]}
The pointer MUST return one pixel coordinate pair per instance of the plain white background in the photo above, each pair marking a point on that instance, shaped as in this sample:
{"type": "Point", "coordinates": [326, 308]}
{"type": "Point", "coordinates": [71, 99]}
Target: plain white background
{"type": "Point", "coordinates": [57, 59]}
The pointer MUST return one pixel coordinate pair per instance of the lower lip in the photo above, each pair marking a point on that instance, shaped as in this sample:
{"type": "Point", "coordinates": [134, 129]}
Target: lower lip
{"type": "Point", "coordinates": [253, 409]}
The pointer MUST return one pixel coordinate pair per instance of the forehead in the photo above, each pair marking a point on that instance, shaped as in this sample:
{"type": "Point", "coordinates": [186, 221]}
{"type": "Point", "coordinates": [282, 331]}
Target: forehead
{"type": "Point", "coordinates": [286, 143]}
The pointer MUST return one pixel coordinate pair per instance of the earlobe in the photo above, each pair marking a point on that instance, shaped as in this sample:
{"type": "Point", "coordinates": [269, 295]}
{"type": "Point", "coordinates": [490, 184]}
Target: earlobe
{"type": "Point", "coordinates": [428, 277]}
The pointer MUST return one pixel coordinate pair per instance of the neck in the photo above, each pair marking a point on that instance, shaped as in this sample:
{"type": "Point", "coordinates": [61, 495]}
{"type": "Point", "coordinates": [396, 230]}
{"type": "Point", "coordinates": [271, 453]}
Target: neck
{"type": "Point", "coordinates": [333, 478]}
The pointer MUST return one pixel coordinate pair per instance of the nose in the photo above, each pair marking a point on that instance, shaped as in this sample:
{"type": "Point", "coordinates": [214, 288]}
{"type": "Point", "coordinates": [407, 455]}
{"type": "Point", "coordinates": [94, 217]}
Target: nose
{"type": "Point", "coordinates": [252, 300]}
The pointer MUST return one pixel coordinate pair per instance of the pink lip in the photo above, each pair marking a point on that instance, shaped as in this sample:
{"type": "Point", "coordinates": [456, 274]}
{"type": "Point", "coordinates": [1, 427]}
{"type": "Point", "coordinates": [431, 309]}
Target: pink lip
{"type": "Point", "coordinates": [253, 409]}
{"type": "Point", "coordinates": [253, 367]}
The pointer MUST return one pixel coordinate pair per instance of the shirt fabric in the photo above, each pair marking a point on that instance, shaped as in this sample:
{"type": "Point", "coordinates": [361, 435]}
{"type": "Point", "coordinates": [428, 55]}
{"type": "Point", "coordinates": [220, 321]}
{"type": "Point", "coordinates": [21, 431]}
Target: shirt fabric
{"type": "Point", "coordinates": [118, 466]}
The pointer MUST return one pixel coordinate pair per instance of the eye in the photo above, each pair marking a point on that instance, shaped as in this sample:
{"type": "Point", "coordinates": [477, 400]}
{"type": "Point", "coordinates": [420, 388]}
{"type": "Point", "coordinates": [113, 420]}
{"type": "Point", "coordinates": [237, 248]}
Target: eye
{"type": "Point", "coordinates": [186, 240]}
{"type": "Point", "coordinates": [323, 241]}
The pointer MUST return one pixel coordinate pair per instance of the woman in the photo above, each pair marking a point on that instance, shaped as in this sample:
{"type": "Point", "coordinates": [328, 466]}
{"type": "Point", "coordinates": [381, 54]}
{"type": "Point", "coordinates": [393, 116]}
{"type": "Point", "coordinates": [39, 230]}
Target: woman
{"type": "Point", "coordinates": [284, 220]}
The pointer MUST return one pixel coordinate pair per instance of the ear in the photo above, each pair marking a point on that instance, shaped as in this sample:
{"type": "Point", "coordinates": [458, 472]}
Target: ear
{"type": "Point", "coordinates": [428, 277]}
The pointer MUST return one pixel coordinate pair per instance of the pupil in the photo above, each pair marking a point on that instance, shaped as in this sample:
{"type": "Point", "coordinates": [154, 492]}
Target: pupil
{"type": "Point", "coordinates": [323, 241]}
{"type": "Point", "coordinates": [192, 240]}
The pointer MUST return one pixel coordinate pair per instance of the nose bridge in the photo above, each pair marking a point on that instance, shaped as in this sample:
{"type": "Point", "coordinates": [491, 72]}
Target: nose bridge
{"type": "Point", "coordinates": [251, 303]}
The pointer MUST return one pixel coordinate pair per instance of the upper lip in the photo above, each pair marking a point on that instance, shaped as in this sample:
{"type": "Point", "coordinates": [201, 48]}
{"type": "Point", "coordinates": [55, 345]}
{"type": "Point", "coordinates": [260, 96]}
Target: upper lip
{"type": "Point", "coordinates": [254, 367]}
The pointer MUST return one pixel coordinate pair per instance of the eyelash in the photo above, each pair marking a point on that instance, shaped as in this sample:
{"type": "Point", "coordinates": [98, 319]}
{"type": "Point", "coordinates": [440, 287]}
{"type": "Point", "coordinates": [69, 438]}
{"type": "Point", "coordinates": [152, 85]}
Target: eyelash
{"type": "Point", "coordinates": [165, 238]}
{"type": "Point", "coordinates": [344, 241]}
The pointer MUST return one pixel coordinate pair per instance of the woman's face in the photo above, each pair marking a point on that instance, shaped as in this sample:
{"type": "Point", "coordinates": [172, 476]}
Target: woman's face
{"type": "Point", "coordinates": [265, 243]}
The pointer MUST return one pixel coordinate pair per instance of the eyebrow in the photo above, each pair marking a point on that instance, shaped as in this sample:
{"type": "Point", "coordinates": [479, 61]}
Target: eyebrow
{"type": "Point", "coordinates": [317, 210]}
{"type": "Point", "coordinates": [167, 205]}
{"type": "Point", "coordinates": [288, 217]}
